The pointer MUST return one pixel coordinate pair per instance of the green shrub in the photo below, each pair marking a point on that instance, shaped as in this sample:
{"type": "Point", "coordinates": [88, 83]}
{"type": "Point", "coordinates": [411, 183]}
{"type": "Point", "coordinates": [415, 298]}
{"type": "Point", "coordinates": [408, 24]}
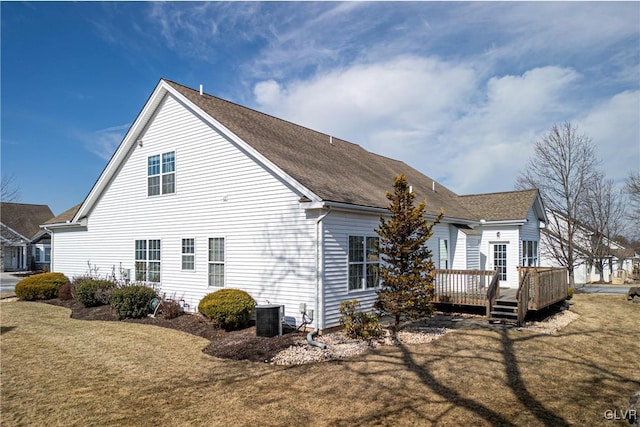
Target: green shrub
{"type": "Point", "coordinates": [357, 324]}
{"type": "Point", "coordinates": [132, 302]}
{"type": "Point", "coordinates": [40, 286]}
{"type": "Point", "coordinates": [569, 293]}
{"type": "Point", "coordinates": [93, 292]}
{"type": "Point", "coordinates": [64, 293]}
{"type": "Point", "coordinates": [228, 308]}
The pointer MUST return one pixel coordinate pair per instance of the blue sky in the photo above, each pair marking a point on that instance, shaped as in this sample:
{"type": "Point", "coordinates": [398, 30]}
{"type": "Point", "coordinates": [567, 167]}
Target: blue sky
{"type": "Point", "coordinates": [460, 91]}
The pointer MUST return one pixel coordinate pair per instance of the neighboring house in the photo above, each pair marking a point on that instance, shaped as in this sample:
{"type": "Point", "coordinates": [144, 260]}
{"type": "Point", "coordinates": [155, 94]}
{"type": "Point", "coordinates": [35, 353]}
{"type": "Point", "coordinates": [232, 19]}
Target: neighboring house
{"type": "Point", "coordinates": [595, 259]}
{"type": "Point", "coordinates": [203, 194]}
{"type": "Point", "coordinates": [25, 246]}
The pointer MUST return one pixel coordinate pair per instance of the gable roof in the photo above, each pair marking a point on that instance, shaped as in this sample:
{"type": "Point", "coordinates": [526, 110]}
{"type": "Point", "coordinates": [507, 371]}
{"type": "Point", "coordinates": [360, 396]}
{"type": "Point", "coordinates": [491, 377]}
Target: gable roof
{"type": "Point", "coordinates": [23, 218]}
{"type": "Point", "coordinates": [320, 167]}
{"type": "Point", "coordinates": [505, 206]}
{"type": "Point", "coordinates": [333, 169]}
{"type": "Point", "coordinates": [64, 217]}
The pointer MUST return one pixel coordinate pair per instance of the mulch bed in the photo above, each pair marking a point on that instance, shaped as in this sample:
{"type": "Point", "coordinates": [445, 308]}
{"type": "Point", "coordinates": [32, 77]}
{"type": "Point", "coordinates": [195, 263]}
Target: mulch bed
{"type": "Point", "coordinates": [237, 345]}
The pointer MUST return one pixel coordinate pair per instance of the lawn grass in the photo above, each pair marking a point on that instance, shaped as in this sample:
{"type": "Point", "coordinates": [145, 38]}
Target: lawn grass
{"type": "Point", "coordinates": [60, 371]}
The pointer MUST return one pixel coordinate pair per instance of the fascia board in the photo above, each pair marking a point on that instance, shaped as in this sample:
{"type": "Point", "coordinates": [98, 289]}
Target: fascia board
{"type": "Point", "coordinates": [244, 146]}
{"type": "Point", "coordinates": [15, 232]}
{"type": "Point", "coordinates": [505, 222]}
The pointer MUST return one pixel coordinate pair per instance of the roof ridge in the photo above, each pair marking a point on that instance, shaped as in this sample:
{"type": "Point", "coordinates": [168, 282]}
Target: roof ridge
{"type": "Point", "coordinates": [235, 104]}
{"type": "Point", "coordinates": [499, 192]}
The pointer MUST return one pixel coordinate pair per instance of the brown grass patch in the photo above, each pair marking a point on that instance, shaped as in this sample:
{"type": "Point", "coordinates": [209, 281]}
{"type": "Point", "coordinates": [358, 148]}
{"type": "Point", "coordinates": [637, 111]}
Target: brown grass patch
{"type": "Point", "coordinates": [57, 370]}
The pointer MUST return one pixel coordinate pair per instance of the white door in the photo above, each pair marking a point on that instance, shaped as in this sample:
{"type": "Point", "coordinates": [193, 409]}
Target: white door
{"type": "Point", "coordinates": [498, 254]}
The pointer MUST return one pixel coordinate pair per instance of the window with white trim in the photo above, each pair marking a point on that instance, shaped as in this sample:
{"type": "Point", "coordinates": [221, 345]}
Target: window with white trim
{"type": "Point", "coordinates": [42, 253]}
{"type": "Point", "coordinates": [444, 254]}
{"type": "Point", "coordinates": [161, 174]}
{"type": "Point", "coordinates": [529, 253]}
{"type": "Point", "coordinates": [147, 260]}
{"type": "Point", "coordinates": [216, 261]}
{"type": "Point", "coordinates": [364, 263]}
{"type": "Point", "coordinates": [188, 254]}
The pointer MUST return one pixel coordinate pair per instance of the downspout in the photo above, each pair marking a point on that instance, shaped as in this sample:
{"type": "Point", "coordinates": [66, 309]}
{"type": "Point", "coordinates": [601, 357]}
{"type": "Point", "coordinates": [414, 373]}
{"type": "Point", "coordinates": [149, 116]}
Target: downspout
{"type": "Point", "coordinates": [313, 333]}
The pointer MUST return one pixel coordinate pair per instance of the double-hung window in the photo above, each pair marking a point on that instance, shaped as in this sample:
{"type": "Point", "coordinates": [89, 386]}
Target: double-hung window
{"type": "Point", "coordinates": [216, 262]}
{"type": "Point", "coordinates": [188, 254]}
{"type": "Point", "coordinates": [444, 254]}
{"type": "Point", "coordinates": [529, 253]}
{"type": "Point", "coordinates": [364, 263]}
{"type": "Point", "coordinates": [147, 260]}
{"type": "Point", "coordinates": [161, 174]}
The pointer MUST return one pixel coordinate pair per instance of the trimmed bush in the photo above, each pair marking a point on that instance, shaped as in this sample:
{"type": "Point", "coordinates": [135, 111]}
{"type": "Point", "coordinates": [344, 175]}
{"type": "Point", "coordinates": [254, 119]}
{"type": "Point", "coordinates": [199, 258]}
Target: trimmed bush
{"type": "Point", "coordinates": [228, 308]}
{"type": "Point", "coordinates": [64, 293]}
{"type": "Point", "coordinates": [132, 302]}
{"type": "Point", "coordinates": [357, 324]}
{"type": "Point", "coordinates": [40, 286]}
{"type": "Point", "coordinates": [93, 292]}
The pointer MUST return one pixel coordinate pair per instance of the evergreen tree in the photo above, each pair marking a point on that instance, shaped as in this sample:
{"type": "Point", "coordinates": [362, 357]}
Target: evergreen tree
{"type": "Point", "coordinates": [407, 268]}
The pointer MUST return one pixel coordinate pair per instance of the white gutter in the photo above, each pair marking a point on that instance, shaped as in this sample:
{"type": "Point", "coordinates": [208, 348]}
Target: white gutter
{"type": "Point", "coordinates": [319, 270]}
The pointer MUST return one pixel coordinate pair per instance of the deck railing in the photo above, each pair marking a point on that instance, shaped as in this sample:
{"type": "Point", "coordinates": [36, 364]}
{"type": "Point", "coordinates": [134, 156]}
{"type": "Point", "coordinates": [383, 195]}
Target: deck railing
{"type": "Point", "coordinates": [464, 287]}
{"type": "Point", "coordinates": [545, 286]}
{"type": "Point", "coordinates": [523, 295]}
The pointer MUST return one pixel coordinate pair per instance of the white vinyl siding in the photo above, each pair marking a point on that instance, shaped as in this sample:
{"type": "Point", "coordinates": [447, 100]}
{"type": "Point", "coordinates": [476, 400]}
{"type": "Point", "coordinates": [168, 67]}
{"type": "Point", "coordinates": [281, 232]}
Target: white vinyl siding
{"type": "Point", "coordinates": [270, 244]}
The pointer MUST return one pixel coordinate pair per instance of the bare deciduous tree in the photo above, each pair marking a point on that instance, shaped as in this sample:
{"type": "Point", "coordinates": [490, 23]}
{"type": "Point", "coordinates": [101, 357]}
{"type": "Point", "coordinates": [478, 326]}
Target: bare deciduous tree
{"type": "Point", "coordinates": [562, 168]}
{"type": "Point", "coordinates": [9, 192]}
{"type": "Point", "coordinates": [632, 188]}
{"type": "Point", "coordinates": [603, 214]}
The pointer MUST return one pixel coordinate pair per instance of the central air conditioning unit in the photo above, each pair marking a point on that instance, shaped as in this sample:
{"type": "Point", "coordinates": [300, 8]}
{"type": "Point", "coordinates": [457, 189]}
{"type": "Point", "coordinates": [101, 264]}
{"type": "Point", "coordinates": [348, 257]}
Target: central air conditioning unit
{"type": "Point", "coordinates": [269, 320]}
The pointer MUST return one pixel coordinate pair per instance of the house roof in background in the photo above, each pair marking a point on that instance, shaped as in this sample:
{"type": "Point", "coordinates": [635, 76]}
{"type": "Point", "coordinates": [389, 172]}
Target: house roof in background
{"type": "Point", "coordinates": [333, 169]}
{"type": "Point", "coordinates": [511, 205]}
{"type": "Point", "coordinates": [65, 216]}
{"type": "Point", "coordinates": [24, 218]}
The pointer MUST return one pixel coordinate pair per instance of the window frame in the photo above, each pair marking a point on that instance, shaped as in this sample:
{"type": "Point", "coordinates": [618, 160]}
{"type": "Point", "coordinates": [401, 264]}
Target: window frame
{"type": "Point", "coordinates": [161, 167]}
{"type": "Point", "coordinates": [191, 255]}
{"type": "Point", "coordinates": [446, 252]}
{"type": "Point", "coordinates": [530, 253]}
{"type": "Point", "coordinates": [367, 268]}
{"type": "Point", "coordinates": [151, 260]}
{"type": "Point", "coordinates": [216, 262]}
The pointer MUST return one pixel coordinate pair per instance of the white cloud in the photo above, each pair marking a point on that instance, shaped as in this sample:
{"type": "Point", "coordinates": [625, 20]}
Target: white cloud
{"type": "Point", "coordinates": [434, 115]}
{"type": "Point", "coordinates": [103, 142]}
{"type": "Point", "coordinates": [613, 127]}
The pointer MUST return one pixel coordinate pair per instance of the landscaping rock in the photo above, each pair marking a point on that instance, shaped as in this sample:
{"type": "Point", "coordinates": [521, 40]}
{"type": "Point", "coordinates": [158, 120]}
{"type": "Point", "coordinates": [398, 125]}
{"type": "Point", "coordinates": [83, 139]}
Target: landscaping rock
{"type": "Point", "coordinates": [633, 292]}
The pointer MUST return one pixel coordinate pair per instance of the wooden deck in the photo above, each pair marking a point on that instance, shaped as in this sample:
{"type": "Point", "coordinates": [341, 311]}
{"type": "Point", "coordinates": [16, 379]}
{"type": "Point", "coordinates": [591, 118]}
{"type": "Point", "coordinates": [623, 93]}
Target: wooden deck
{"type": "Point", "coordinates": [539, 288]}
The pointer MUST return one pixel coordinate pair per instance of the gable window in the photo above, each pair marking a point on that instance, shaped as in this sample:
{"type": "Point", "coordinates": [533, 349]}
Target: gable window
{"type": "Point", "coordinates": [444, 254]}
{"type": "Point", "coordinates": [188, 254]}
{"type": "Point", "coordinates": [161, 174]}
{"type": "Point", "coordinates": [529, 253]}
{"type": "Point", "coordinates": [147, 260]}
{"type": "Point", "coordinates": [216, 261]}
{"type": "Point", "coordinates": [364, 263]}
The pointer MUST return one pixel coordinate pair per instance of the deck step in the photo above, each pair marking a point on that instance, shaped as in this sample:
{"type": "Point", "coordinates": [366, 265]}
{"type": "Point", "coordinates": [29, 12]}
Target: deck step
{"type": "Point", "coordinates": [504, 311]}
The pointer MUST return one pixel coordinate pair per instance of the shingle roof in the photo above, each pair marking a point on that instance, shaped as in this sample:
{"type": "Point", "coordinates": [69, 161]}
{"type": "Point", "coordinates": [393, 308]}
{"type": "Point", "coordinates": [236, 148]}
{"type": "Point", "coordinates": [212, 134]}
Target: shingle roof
{"type": "Point", "coordinates": [333, 169]}
{"type": "Point", "coordinates": [24, 218]}
{"type": "Point", "coordinates": [64, 216]}
{"type": "Point", "coordinates": [511, 205]}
